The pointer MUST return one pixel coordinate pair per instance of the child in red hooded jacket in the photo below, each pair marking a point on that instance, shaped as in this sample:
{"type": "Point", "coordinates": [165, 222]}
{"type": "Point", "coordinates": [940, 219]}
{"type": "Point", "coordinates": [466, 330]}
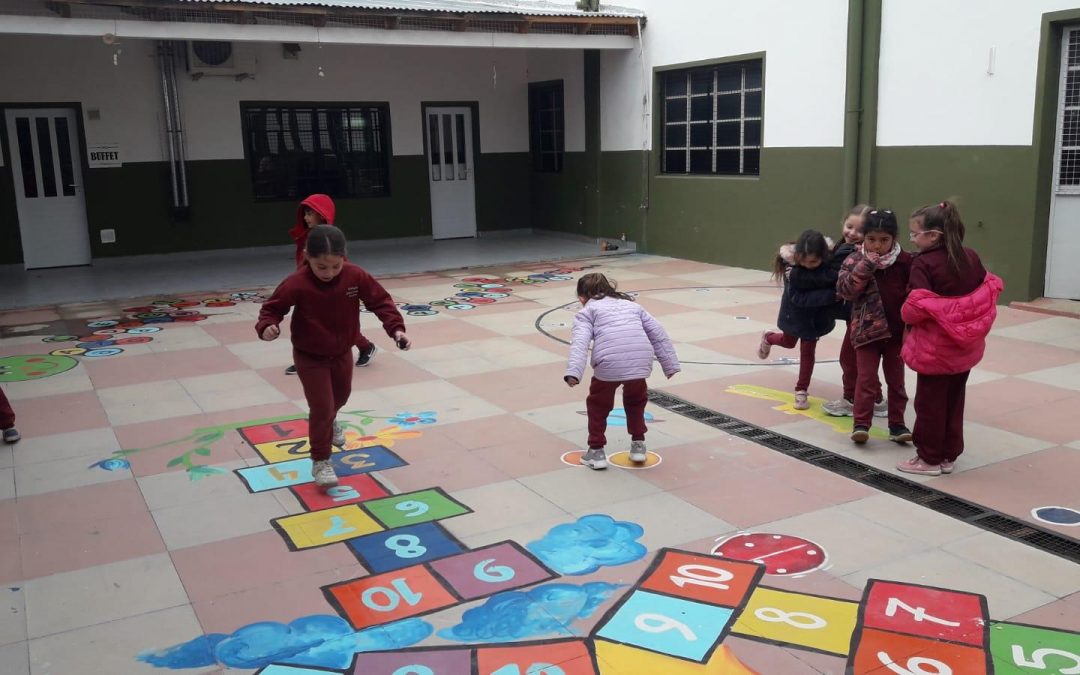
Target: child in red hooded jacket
{"type": "Point", "coordinates": [950, 309]}
{"type": "Point", "coordinates": [318, 209]}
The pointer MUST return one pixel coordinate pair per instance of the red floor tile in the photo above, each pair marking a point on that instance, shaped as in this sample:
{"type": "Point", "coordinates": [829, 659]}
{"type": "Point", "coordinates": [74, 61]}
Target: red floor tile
{"type": "Point", "coordinates": [60, 414]}
{"type": "Point", "coordinates": [78, 506]}
{"type": "Point", "coordinates": [75, 546]}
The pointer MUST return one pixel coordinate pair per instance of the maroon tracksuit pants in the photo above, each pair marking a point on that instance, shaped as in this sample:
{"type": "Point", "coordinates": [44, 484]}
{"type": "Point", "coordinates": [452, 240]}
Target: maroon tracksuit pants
{"type": "Point", "coordinates": [886, 354]}
{"type": "Point", "coordinates": [602, 399]}
{"type": "Point", "coordinates": [807, 350]}
{"type": "Point", "coordinates": [849, 368]}
{"type": "Point", "coordinates": [939, 417]}
{"type": "Point", "coordinates": [362, 343]}
{"type": "Point", "coordinates": [7, 415]}
{"type": "Point", "coordinates": [327, 382]}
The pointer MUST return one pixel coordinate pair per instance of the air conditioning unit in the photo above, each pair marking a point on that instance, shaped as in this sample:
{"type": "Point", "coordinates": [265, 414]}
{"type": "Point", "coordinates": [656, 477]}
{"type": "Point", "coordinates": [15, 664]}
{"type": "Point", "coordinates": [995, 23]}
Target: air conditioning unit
{"type": "Point", "coordinates": [213, 57]}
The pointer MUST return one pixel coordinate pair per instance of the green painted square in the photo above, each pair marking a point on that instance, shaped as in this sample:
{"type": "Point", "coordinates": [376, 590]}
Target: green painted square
{"type": "Point", "coordinates": [422, 506]}
{"type": "Point", "coordinates": [1017, 649]}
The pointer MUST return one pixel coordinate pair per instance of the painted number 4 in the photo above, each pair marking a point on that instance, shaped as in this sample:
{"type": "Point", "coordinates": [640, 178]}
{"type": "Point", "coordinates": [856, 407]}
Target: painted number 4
{"type": "Point", "coordinates": [1038, 659]}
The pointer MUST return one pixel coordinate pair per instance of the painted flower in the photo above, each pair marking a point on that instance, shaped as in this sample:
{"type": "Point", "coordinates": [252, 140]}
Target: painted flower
{"type": "Point", "coordinates": [111, 464]}
{"type": "Point", "coordinates": [408, 419]}
{"type": "Point", "coordinates": [386, 437]}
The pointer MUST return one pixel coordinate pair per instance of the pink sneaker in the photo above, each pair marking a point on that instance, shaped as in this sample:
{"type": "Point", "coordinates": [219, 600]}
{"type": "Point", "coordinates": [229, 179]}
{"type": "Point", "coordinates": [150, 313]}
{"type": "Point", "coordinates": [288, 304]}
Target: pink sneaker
{"type": "Point", "coordinates": [764, 347]}
{"type": "Point", "coordinates": [947, 467]}
{"type": "Point", "coordinates": [917, 465]}
{"type": "Point", "coordinates": [802, 401]}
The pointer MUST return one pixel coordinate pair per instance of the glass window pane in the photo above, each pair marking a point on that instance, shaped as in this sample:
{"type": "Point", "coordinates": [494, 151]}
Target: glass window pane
{"type": "Point", "coordinates": [48, 168]}
{"type": "Point", "coordinates": [701, 134]}
{"type": "Point", "coordinates": [63, 150]}
{"type": "Point", "coordinates": [675, 136]}
{"type": "Point", "coordinates": [727, 161]}
{"type": "Point", "coordinates": [701, 81]}
{"type": "Point", "coordinates": [1069, 174]}
{"type": "Point", "coordinates": [462, 169]}
{"type": "Point", "coordinates": [701, 161]}
{"type": "Point", "coordinates": [701, 109]}
{"type": "Point", "coordinates": [753, 74]}
{"type": "Point", "coordinates": [448, 148]}
{"type": "Point", "coordinates": [435, 152]}
{"type": "Point", "coordinates": [752, 133]}
{"type": "Point", "coordinates": [753, 104]}
{"type": "Point", "coordinates": [728, 106]}
{"type": "Point", "coordinates": [26, 157]}
{"type": "Point", "coordinates": [752, 162]}
{"type": "Point", "coordinates": [1070, 131]}
{"type": "Point", "coordinates": [729, 79]}
{"type": "Point", "coordinates": [675, 110]}
{"type": "Point", "coordinates": [675, 161]}
{"type": "Point", "coordinates": [675, 84]}
{"type": "Point", "coordinates": [1072, 88]}
{"type": "Point", "coordinates": [727, 134]}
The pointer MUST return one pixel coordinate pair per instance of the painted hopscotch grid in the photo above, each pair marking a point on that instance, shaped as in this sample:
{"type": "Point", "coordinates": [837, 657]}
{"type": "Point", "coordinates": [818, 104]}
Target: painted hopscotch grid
{"type": "Point", "coordinates": [1020, 647]}
{"type": "Point", "coordinates": [298, 471]}
{"type": "Point", "coordinates": [805, 621]}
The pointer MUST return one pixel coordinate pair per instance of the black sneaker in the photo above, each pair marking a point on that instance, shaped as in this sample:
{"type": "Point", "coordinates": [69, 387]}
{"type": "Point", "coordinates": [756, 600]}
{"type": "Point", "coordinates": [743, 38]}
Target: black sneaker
{"type": "Point", "coordinates": [11, 435]}
{"type": "Point", "coordinates": [900, 434]}
{"type": "Point", "coordinates": [291, 370]}
{"type": "Point", "coordinates": [366, 356]}
{"type": "Point", "coordinates": [860, 435]}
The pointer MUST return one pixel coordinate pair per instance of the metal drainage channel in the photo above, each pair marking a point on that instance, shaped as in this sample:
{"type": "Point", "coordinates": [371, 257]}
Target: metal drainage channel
{"type": "Point", "coordinates": [961, 509]}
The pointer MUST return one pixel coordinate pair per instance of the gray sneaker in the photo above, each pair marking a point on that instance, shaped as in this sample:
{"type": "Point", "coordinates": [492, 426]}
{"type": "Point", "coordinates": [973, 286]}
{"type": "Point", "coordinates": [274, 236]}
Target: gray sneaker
{"type": "Point", "coordinates": [881, 409]}
{"type": "Point", "coordinates": [638, 455]}
{"type": "Point", "coordinates": [323, 473]}
{"type": "Point", "coordinates": [339, 435]}
{"type": "Point", "coordinates": [595, 458]}
{"type": "Point", "coordinates": [11, 435]}
{"type": "Point", "coordinates": [841, 407]}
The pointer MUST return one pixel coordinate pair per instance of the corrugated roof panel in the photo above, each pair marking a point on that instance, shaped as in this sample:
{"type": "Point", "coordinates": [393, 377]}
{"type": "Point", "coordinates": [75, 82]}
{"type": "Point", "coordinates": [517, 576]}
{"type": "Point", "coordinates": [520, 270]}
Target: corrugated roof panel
{"type": "Point", "coordinates": [527, 7]}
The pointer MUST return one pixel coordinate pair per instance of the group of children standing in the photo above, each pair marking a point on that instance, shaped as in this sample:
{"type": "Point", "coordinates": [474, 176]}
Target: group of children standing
{"type": "Point", "coordinates": [932, 311]}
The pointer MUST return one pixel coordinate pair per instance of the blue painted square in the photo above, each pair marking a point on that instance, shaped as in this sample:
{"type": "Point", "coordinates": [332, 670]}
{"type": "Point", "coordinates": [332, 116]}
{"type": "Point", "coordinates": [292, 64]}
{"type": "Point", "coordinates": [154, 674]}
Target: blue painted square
{"type": "Point", "coordinates": [364, 460]}
{"type": "Point", "coordinates": [276, 669]}
{"type": "Point", "coordinates": [667, 625]}
{"type": "Point", "coordinates": [394, 549]}
{"type": "Point", "coordinates": [273, 476]}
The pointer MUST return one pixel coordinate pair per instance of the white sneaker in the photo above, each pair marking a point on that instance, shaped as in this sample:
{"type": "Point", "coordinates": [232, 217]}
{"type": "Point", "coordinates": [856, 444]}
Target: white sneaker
{"type": "Point", "coordinates": [595, 458]}
{"type": "Point", "coordinates": [339, 436]}
{"type": "Point", "coordinates": [841, 407]}
{"type": "Point", "coordinates": [638, 455]}
{"type": "Point", "coordinates": [881, 409]}
{"type": "Point", "coordinates": [323, 473]}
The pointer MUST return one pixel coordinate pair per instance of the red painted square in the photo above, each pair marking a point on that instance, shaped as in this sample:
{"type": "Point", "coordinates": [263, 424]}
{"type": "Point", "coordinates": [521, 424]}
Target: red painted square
{"type": "Point", "coordinates": [572, 658]}
{"type": "Point", "coordinates": [936, 613]}
{"type": "Point", "coordinates": [703, 578]}
{"type": "Point", "coordinates": [350, 490]}
{"type": "Point", "coordinates": [383, 598]}
{"type": "Point", "coordinates": [278, 431]}
{"type": "Point", "coordinates": [877, 649]}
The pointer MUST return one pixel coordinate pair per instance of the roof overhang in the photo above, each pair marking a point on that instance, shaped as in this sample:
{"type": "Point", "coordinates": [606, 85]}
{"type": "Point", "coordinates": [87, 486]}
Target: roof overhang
{"type": "Point", "coordinates": [534, 24]}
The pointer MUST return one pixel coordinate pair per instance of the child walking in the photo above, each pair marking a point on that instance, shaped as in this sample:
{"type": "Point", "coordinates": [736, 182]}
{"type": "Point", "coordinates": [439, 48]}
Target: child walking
{"type": "Point", "coordinates": [325, 295]}
{"type": "Point", "coordinates": [852, 236]}
{"type": "Point", "coordinates": [625, 339]}
{"type": "Point", "coordinates": [874, 279]}
{"type": "Point", "coordinates": [7, 420]}
{"type": "Point", "coordinates": [949, 311]}
{"type": "Point", "coordinates": [319, 209]}
{"type": "Point", "coordinates": [808, 306]}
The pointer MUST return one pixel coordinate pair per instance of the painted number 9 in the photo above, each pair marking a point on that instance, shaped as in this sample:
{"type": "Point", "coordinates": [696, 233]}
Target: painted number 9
{"type": "Point", "coordinates": [914, 665]}
{"type": "Point", "coordinates": [1038, 659]}
{"type": "Point", "coordinates": [658, 623]}
{"type": "Point", "coordinates": [534, 669]}
{"type": "Point", "coordinates": [417, 508]}
{"type": "Point", "coordinates": [485, 571]}
{"type": "Point", "coordinates": [693, 574]}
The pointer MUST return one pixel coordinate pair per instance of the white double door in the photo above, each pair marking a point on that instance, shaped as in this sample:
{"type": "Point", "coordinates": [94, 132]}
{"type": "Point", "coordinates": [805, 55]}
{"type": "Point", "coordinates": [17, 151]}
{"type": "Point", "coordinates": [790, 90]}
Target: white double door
{"type": "Point", "coordinates": [1062, 270]}
{"type": "Point", "coordinates": [451, 172]}
{"type": "Point", "coordinates": [46, 167]}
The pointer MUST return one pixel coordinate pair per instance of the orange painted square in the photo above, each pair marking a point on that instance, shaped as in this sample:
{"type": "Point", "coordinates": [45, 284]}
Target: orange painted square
{"type": "Point", "coordinates": [384, 598]}
{"type": "Point", "coordinates": [571, 657]}
{"type": "Point", "coordinates": [701, 577]}
{"type": "Point", "coordinates": [900, 649]}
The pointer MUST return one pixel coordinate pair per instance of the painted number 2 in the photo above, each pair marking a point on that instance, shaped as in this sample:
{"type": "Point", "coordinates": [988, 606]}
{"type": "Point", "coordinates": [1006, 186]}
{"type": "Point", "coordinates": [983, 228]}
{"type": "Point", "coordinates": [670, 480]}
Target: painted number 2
{"type": "Point", "coordinates": [713, 577]}
{"type": "Point", "coordinates": [1038, 659]}
{"type": "Point", "coordinates": [658, 623]}
{"type": "Point", "coordinates": [383, 599]}
{"type": "Point", "coordinates": [914, 665]}
{"type": "Point", "coordinates": [534, 669]}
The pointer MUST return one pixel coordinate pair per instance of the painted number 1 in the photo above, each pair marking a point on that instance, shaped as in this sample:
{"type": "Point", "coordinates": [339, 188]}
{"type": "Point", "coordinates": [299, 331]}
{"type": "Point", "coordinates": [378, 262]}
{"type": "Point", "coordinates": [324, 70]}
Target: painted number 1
{"type": "Point", "coordinates": [692, 574]}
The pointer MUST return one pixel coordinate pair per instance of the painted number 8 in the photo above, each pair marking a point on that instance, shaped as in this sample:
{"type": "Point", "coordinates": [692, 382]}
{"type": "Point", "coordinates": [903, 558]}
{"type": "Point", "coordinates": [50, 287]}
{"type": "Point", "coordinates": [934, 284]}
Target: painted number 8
{"type": "Point", "coordinates": [914, 665]}
{"type": "Point", "coordinates": [658, 623]}
{"type": "Point", "coordinates": [406, 546]}
{"type": "Point", "coordinates": [774, 615]}
{"type": "Point", "coordinates": [417, 508]}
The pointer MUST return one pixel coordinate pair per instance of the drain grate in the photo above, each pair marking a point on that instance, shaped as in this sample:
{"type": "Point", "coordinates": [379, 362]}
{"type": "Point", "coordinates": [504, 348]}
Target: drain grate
{"type": "Point", "coordinates": [898, 486]}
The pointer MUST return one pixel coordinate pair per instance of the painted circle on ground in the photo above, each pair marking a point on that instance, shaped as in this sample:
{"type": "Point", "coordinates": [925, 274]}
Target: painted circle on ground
{"type": "Point", "coordinates": [186, 303]}
{"type": "Point", "coordinates": [139, 310]}
{"type": "Point", "coordinates": [96, 344]}
{"type": "Point", "coordinates": [192, 317]}
{"type": "Point", "coordinates": [108, 331]}
{"type": "Point", "coordinates": [460, 305]}
{"type": "Point", "coordinates": [160, 319]}
{"type": "Point", "coordinates": [220, 303]}
{"type": "Point", "coordinates": [137, 340]}
{"type": "Point", "coordinates": [141, 330]}
{"type": "Point", "coordinates": [67, 351]}
{"type": "Point", "coordinates": [422, 312]}
{"type": "Point", "coordinates": [622, 460]}
{"type": "Point", "coordinates": [480, 300]}
{"type": "Point", "coordinates": [573, 458]}
{"type": "Point", "coordinates": [107, 351]}
{"type": "Point", "coordinates": [34, 366]}
{"type": "Point", "coordinates": [782, 554]}
{"type": "Point", "coordinates": [151, 315]}
{"type": "Point", "coordinates": [105, 323]}
{"type": "Point", "coordinates": [61, 338]}
{"type": "Point", "coordinates": [1057, 515]}
{"type": "Point", "coordinates": [129, 325]}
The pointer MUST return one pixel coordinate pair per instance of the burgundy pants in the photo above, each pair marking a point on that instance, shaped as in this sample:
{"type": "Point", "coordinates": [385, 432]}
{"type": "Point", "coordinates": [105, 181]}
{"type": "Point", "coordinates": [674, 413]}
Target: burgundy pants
{"type": "Point", "coordinates": [807, 349]}
{"type": "Point", "coordinates": [362, 343]}
{"type": "Point", "coordinates": [602, 399]}
{"type": "Point", "coordinates": [849, 368]}
{"type": "Point", "coordinates": [7, 415]}
{"type": "Point", "coordinates": [939, 417]}
{"type": "Point", "coordinates": [327, 382]}
{"type": "Point", "coordinates": [885, 353]}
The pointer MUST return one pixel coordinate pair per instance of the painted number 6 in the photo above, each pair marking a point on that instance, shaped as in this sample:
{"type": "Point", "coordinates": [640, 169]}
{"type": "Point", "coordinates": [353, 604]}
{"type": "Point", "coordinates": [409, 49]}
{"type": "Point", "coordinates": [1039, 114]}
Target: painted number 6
{"type": "Point", "coordinates": [658, 623]}
{"type": "Point", "coordinates": [417, 508]}
{"type": "Point", "coordinates": [914, 665]}
{"type": "Point", "coordinates": [413, 670]}
{"type": "Point", "coordinates": [1038, 659]}
{"type": "Point", "coordinates": [485, 571]}
{"type": "Point", "coordinates": [692, 574]}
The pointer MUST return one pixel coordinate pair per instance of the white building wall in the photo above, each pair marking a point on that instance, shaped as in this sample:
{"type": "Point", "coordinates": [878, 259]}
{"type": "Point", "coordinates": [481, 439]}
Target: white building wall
{"type": "Point", "coordinates": [128, 94]}
{"type": "Point", "coordinates": [568, 66]}
{"type": "Point", "coordinates": [805, 45]}
{"type": "Point", "coordinates": [934, 85]}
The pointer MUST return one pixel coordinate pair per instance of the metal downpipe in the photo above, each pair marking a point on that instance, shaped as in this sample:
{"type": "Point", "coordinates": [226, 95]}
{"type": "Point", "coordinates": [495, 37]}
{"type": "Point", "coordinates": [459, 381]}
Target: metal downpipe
{"type": "Point", "coordinates": [162, 56]}
{"type": "Point", "coordinates": [178, 126]}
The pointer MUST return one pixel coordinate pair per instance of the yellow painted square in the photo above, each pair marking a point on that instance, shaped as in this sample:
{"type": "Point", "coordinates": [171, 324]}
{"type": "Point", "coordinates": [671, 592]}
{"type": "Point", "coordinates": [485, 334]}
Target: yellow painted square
{"type": "Point", "coordinates": [318, 528]}
{"type": "Point", "coordinates": [823, 624]}
{"type": "Point", "coordinates": [619, 659]}
{"type": "Point", "coordinates": [285, 450]}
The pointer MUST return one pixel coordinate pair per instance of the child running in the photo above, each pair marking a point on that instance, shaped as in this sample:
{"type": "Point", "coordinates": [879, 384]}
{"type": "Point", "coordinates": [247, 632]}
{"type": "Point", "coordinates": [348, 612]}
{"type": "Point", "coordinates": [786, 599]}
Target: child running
{"type": "Point", "coordinates": [319, 209]}
{"type": "Point", "coordinates": [950, 310]}
{"type": "Point", "coordinates": [852, 236]}
{"type": "Point", "coordinates": [625, 339]}
{"type": "Point", "coordinates": [326, 295]}
{"type": "Point", "coordinates": [874, 279]}
{"type": "Point", "coordinates": [7, 420]}
{"type": "Point", "coordinates": [807, 308]}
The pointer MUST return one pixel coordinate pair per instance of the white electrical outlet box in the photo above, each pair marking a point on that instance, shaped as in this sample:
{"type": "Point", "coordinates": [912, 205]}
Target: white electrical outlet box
{"type": "Point", "coordinates": [108, 236]}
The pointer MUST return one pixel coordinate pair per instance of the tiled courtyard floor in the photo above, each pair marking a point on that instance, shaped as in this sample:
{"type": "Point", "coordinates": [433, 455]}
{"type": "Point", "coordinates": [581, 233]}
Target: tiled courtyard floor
{"type": "Point", "coordinates": [147, 505]}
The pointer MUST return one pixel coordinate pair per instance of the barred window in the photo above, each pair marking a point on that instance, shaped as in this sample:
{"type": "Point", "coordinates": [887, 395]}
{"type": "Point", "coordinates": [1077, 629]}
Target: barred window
{"type": "Point", "coordinates": [1069, 120]}
{"type": "Point", "coordinates": [712, 120]}
{"type": "Point", "coordinates": [295, 149]}
{"type": "Point", "coordinates": [546, 125]}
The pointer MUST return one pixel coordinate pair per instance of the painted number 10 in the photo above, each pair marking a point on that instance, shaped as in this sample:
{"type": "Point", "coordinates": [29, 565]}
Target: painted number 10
{"type": "Point", "coordinates": [383, 599]}
{"type": "Point", "coordinates": [702, 575]}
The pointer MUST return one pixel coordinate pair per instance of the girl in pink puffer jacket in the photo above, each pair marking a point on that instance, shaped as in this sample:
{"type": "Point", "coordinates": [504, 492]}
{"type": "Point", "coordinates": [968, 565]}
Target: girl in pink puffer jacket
{"type": "Point", "coordinates": [625, 340]}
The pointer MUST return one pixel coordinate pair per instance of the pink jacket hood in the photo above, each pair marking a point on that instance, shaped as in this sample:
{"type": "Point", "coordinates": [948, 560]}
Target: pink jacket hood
{"type": "Point", "coordinates": [948, 333]}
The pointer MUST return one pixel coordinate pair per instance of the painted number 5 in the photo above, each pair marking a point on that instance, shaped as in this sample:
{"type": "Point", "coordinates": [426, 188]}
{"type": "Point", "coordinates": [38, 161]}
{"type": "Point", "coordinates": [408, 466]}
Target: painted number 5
{"type": "Point", "coordinates": [702, 575]}
{"type": "Point", "coordinates": [658, 623]}
{"type": "Point", "coordinates": [1038, 659]}
{"type": "Point", "coordinates": [914, 665]}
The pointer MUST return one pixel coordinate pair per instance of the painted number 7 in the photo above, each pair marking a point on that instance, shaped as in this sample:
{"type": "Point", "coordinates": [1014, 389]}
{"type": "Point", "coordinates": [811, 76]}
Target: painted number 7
{"type": "Point", "coordinates": [412, 507]}
{"type": "Point", "coordinates": [1038, 659]}
{"type": "Point", "coordinates": [692, 574]}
